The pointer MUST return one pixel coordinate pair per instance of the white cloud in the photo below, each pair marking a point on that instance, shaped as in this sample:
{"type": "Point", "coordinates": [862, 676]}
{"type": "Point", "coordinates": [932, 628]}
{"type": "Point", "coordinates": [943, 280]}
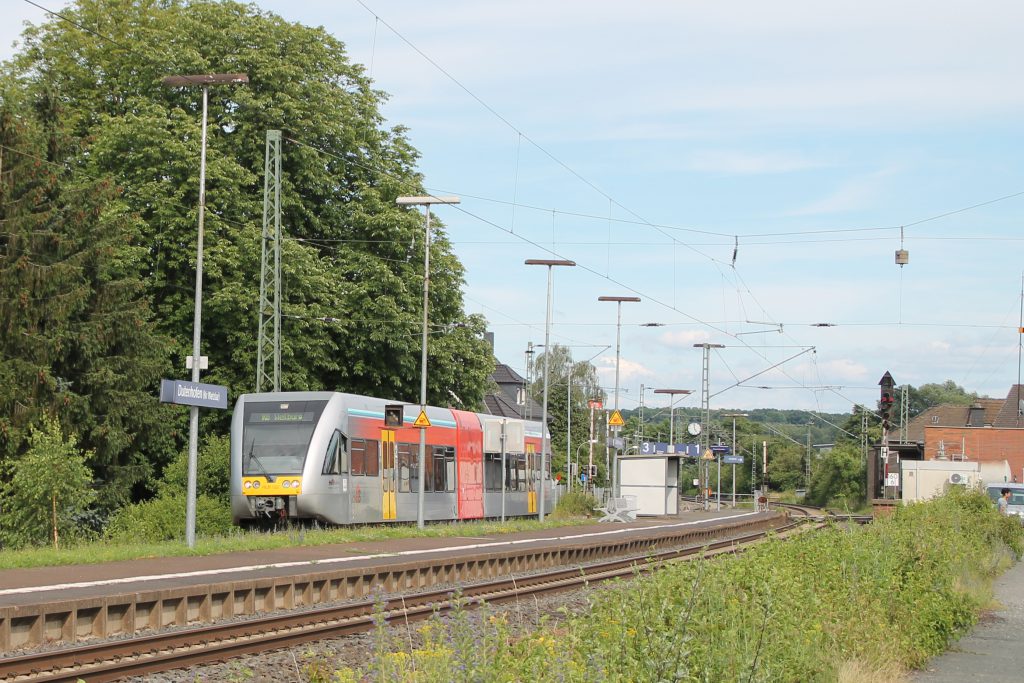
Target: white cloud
{"type": "Point", "coordinates": [683, 338]}
{"type": "Point", "coordinates": [745, 163]}
{"type": "Point", "coordinates": [843, 370]}
{"type": "Point", "coordinates": [628, 370]}
{"type": "Point", "coordinates": [853, 194]}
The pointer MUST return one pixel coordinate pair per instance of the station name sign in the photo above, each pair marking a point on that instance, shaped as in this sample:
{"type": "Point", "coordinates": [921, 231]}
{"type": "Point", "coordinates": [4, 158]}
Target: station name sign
{"type": "Point", "coordinates": [193, 393]}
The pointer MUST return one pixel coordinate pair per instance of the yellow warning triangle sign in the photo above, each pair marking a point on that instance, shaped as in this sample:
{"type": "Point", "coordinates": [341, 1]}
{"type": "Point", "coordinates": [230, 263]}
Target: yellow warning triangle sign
{"type": "Point", "coordinates": [708, 455]}
{"type": "Point", "coordinates": [422, 420]}
{"type": "Point", "coordinates": [616, 419]}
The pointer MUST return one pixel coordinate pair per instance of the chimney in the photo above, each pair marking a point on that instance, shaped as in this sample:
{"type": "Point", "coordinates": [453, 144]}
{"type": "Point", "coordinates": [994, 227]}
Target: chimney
{"type": "Point", "coordinates": [489, 338]}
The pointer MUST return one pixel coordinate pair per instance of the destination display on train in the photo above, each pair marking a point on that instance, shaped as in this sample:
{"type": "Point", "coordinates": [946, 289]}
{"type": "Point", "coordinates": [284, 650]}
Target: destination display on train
{"type": "Point", "coordinates": [275, 418]}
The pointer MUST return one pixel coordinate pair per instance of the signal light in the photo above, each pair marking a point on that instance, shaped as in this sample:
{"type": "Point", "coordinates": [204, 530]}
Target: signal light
{"type": "Point", "coordinates": [885, 403]}
{"type": "Point", "coordinates": [394, 415]}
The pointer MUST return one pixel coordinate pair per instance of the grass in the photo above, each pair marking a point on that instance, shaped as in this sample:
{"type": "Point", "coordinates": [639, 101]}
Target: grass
{"type": "Point", "coordinates": [241, 541]}
{"type": "Point", "coordinates": [865, 604]}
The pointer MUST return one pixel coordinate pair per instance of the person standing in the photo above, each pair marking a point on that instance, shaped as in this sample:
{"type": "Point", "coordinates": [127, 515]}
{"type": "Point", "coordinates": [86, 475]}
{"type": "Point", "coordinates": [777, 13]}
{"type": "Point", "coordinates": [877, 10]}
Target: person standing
{"type": "Point", "coordinates": [1004, 502]}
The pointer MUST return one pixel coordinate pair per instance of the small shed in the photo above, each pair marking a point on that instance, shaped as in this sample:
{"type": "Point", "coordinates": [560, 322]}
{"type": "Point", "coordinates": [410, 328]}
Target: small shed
{"type": "Point", "coordinates": [654, 480]}
{"type": "Point", "coordinates": [926, 479]}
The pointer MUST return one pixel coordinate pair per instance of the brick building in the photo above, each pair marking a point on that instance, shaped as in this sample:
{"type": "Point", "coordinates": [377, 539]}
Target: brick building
{"type": "Point", "coordinates": [990, 430]}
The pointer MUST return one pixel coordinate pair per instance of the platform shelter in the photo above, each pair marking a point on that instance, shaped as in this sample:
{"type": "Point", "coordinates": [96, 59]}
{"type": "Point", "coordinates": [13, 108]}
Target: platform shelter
{"type": "Point", "coordinates": [654, 480]}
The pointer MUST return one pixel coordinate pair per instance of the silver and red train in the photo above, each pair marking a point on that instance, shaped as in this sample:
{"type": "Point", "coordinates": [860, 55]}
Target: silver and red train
{"type": "Point", "coordinates": [329, 457]}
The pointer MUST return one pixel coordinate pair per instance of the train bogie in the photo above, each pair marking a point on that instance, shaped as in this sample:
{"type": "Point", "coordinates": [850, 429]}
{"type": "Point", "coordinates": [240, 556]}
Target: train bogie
{"type": "Point", "coordinates": [329, 457]}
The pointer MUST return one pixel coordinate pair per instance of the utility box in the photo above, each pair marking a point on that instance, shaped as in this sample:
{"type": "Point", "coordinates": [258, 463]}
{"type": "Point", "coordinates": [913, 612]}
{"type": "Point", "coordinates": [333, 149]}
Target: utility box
{"type": "Point", "coordinates": [925, 479]}
{"type": "Point", "coordinates": [654, 480]}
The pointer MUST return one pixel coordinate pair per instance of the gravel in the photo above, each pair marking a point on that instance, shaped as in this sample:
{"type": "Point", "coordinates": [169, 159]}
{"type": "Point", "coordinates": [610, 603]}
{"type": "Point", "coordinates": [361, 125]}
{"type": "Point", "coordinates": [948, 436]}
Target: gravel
{"type": "Point", "coordinates": [356, 651]}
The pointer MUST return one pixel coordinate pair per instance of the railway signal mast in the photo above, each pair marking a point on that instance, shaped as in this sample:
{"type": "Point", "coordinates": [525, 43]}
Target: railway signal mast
{"type": "Point", "coordinates": [885, 405]}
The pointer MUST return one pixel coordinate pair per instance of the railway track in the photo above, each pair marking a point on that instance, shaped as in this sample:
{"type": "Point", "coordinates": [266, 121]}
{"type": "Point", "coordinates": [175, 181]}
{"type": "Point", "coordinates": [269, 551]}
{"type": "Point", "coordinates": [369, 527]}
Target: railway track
{"type": "Point", "coordinates": [820, 514]}
{"type": "Point", "coordinates": [809, 512]}
{"type": "Point", "coordinates": [113, 660]}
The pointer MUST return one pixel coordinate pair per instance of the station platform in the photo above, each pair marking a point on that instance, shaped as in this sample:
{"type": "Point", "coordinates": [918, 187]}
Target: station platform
{"type": "Point", "coordinates": [80, 603]}
{"type": "Point", "coordinates": [21, 587]}
{"type": "Point", "coordinates": [994, 650]}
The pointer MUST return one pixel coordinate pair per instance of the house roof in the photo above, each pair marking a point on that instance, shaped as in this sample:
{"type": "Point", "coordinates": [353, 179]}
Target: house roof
{"type": "Point", "coordinates": [505, 401]}
{"type": "Point", "coordinates": [503, 374]}
{"type": "Point", "coordinates": [948, 415]}
{"type": "Point", "coordinates": [1009, 413]}
{"type": "Point", "coordinates": [499, 405]}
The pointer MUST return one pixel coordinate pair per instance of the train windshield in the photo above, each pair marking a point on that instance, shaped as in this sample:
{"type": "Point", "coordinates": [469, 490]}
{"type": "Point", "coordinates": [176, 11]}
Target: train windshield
{"type": "Point", "coordinates": [276, 436]}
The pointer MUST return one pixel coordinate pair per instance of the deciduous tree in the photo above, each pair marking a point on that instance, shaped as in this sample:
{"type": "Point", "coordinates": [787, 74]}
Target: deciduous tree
{"type": "Point", "coordinates": [48, 491]}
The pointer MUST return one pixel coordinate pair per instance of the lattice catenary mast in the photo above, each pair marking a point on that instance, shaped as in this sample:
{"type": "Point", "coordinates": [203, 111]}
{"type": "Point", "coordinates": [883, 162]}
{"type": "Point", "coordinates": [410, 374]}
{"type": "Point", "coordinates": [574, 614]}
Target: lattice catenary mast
{"type": "Point", "coordinates": [268, 344]}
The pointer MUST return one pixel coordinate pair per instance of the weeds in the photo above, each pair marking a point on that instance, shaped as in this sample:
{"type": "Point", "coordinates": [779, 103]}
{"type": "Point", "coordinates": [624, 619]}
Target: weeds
{"type": "Point", "coordinates": [867, 603]}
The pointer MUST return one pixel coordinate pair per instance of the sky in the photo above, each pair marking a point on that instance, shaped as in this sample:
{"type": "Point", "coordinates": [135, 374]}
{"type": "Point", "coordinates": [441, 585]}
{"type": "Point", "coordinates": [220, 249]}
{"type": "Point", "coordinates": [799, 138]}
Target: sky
{"type": "Point", "coordinates": [747, 169]}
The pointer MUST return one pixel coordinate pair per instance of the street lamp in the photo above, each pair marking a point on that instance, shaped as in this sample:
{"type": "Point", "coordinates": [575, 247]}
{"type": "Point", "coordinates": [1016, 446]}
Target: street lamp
{"type": "Point", "coordinates": [422, 460]}
{"type": "Point", "coordinates": [704, 400]}
{"type": "Point", "coordinates": [550, 263]}
{"type": "Point", "coordinates": [672, 413]}
{"type": "Point", "coordinates": [204, 80]}
{"type": "Point", "coordinates": [618, 330]}
{"type": "Point", "coordinates": [733, 416]}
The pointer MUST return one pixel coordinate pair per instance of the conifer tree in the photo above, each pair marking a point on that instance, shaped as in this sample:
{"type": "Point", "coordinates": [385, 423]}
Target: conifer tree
{"type": "Point", "coordinates": [76, 335]}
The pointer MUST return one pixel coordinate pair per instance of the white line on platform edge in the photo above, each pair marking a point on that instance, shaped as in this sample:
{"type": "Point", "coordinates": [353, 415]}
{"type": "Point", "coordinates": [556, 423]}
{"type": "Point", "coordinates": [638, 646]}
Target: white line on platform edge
{"type": "Point", "coordinates": [351, 558]}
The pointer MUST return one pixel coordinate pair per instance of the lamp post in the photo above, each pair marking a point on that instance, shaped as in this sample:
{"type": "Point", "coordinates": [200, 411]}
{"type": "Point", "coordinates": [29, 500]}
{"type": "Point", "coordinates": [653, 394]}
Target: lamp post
{"type": "Point", "coordinates": [672, 414]}
{"type": "Point", "coordinates": [619, 300]}
{"type": "Point", "coordinates": [550, 263]}
{"type": "Point", "coordinates": [705, 409]}
{"type": "Point", "coordinates": [733, 416]}
{"type": "Point", "coordinates": [422, 460]}
{"type": "Point", "coordinates": [204, 80]}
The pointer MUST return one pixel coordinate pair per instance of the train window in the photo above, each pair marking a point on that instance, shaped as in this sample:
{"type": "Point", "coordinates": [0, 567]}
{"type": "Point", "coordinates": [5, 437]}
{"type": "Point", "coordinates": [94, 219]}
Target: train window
{"type": "Point", "coordinates": [521, 472]}
{"type": "Point", "coordinates": [333, 459]}
{"type": "Point", "coordinates": [276, 436]}
{"type": "Point", "coordinates": [428, 476]}
{"type": "Point", "coordinates": [444, 468]}
{"type": "Point", "coordinates": [358, 457]}
{"type": "Point", "coordinates": [510, 472]}
{"type": "Point", "coordinates": [372, 458]}
{"type": "Point", "coordinates": [365, 458]}
{"type": "Point", "coordinates": [492, 471]}
{"type": "Point", "coordinates": [452, 476]}
{"type": "Point", "coordinates": [439, 469]}
{"type": "Point", "coordinates": [407, 456]}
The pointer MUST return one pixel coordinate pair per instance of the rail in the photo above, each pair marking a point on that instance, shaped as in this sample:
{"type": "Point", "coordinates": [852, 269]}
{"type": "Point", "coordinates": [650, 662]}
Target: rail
{"type": "Point", "coordinates": [113, 660]}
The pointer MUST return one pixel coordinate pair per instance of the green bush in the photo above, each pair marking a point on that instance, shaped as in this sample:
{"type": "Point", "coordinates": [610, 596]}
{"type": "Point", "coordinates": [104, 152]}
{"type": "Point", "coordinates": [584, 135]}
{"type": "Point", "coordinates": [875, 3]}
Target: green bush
{"type": "Point", "coordinates": [878, 598]}
{"type": "Point", "coordinates": [575, 504]}
{"type": "Point", "coordinates": [213, 471]}
{"type": "Point", "coordinates": [163, 519]}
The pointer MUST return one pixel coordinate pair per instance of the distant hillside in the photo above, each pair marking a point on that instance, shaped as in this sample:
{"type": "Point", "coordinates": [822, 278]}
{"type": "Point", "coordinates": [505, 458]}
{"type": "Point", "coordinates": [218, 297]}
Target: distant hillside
{"type": "Point", "coordinates": [792, 423]}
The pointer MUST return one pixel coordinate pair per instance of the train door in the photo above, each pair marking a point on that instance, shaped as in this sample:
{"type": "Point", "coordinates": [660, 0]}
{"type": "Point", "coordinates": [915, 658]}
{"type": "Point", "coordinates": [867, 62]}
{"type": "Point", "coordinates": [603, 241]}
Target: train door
{"type": "Point", "coordinates": [531, 479]}
{"type": "Point", "coordinates": [388, 474]}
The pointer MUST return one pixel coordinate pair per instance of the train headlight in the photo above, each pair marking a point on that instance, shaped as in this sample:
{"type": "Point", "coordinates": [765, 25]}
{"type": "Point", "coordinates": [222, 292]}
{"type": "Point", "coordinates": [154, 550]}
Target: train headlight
{"type": "Point", "coordinates": [287, 484]}
{"type": "Point", "coordinates": [295, 484]}
{"type": "Point", "coordinates": [248, 484]}
{"type": "Point", "coordinates": [255, 484]}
